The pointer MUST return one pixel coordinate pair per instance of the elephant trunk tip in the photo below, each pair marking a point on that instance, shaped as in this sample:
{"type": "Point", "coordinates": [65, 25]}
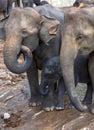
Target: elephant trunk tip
{"type": "Point", "coordinates": [78, 105]}
{"type": "Point", "coordinates": [43, 90]}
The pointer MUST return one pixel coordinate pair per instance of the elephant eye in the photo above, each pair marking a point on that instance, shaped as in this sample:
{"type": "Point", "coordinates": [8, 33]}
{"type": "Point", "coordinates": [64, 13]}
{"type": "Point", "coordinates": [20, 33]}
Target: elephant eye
{"type": "Point", "coordinates": [79, 37]}
{"type": "Point", "coordinates": [24, 33]}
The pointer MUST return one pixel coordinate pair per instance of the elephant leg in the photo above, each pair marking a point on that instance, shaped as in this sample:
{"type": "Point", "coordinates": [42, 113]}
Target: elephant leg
{"type": "Point", "coordinates": [61, 92]}
{"type": "Point", "coordinates": [88, 96]}
{"type": "Point", "coordinates": [91, 72]}
{"type": "Point", "coordinates": [32, 75]}
{"type": "Point", "coordinates": [48, 101]}
{"type": "Point", "coordinates": [92, 108]}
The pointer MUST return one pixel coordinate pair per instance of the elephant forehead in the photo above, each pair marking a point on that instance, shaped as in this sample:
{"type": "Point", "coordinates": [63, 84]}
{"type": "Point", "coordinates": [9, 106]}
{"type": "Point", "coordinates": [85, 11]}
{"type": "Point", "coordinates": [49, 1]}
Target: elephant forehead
{"type": "Point", "coordinates": [28, 22]}
{"type": "Point", "coordinates": [32, 13]}
{"type": "Point", "coordinates": [25, 13]}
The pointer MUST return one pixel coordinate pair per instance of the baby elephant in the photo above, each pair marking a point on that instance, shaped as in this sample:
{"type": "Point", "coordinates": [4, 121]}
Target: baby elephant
{"type": "Point", "coordinates": [51, 73]}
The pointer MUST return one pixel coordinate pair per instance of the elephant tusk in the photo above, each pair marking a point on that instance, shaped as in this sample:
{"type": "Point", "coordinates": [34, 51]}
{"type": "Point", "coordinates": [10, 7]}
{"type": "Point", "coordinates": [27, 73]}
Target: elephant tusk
{"type": "Point", "coordinates": [25, 48]}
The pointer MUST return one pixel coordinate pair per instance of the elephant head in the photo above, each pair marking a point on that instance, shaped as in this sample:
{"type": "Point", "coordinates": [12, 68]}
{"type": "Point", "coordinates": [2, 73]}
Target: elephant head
{"type": "Point", "coordinates": [21, 25]}
{"type": "Point", "coordinates": [51, 73]}
{"type": "Point", "coordinates": [23, 32]}
{"type": "Point", "coordinates": [77, 36]}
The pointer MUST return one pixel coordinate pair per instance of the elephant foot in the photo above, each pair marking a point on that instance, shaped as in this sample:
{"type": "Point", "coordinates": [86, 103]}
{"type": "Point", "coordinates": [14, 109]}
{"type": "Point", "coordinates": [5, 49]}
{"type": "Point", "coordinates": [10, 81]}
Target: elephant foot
{"type": "Point", "coordinates": [50, 108]}
{"type": "Point", "coordinates": [48, 104]}
{"type": "Point", "coordinates": [59, 107]}
{"type": "Point", "coordinates": [35, 101]}
{"type": "Point", "coordinates": [70, 106]}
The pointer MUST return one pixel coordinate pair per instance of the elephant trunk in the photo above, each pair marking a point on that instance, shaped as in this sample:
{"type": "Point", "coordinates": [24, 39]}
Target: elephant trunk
{"type": "Point", "coordinates": [43, 88]}
{"type": "Point", "coordinates": [12, 51]}
{"type": "Point", "coordinates": [67, 56]}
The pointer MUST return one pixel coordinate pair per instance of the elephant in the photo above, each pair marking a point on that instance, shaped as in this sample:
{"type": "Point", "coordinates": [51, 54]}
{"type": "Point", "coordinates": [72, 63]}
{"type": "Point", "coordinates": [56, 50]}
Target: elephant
{"type": "Point", "coordinates": [34, 28]}
{"type": "Point", "coordinates": [27, 3]}
{"type": "Point", "coordinates": [77, 38]}
{"type": "Point", "coordinates": [4, 7]}
{"type": "Point", "coordinates": [7, 5]}
{"type": "Point", "coordinates": [51, 73]}
{"type": "Point", "coordinates": [43, 2]}
{"type": "Point", "coordinates": [78, 2]}
{"type": "Point", "coordinates": [39, 3]}
{"type": "Point", "coordinates": [12, 4]}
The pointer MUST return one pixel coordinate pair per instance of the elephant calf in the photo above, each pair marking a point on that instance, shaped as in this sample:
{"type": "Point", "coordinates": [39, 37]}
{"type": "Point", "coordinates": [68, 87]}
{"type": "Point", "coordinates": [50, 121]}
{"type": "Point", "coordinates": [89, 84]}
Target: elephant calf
{"type": "Point", "coordinates": [51, 73]}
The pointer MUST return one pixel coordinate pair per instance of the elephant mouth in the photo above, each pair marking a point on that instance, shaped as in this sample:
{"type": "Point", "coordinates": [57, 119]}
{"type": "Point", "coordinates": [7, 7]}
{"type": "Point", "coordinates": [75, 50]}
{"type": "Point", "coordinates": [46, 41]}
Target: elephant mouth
{"type": "Point", "coordinates": [21, 55]}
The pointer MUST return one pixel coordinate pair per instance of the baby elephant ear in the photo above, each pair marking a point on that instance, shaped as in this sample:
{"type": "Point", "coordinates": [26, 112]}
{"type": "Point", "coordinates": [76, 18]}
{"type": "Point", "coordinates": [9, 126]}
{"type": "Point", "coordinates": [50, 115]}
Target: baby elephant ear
{"type": "Point", "coordinates": [53, 29]}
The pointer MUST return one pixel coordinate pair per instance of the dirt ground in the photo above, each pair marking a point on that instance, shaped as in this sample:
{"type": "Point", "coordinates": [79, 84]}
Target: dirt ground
{"type": "Point", "coordinates": [14, 94]}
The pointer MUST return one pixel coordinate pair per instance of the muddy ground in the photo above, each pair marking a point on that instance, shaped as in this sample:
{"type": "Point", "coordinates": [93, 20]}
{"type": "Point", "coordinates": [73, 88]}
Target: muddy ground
{"type": "Point", "coordinates": [14, 94]}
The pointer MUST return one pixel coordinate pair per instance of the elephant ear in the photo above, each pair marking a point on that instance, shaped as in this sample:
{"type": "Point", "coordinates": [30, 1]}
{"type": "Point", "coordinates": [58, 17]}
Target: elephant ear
{"type": "Point", "coordinates": [53, 29]}
{"type": "Point", "coordinates": [49, 28]}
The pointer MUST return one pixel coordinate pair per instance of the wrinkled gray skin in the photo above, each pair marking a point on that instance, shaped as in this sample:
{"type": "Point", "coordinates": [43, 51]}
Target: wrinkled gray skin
{"type": "Point", "coordinates": [51, 73]}
{"type": "Point", "coordinates": [77, 35]}
{"type": "Point", "coordinates": [30, 33]}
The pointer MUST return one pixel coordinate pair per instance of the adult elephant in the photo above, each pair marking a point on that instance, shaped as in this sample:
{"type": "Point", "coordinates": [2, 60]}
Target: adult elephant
{"type": "Point", "coordinates": [32, 27]}
{"type": "Point", "coordinates": [84, 2]}
{"type": "Point", "coordinates": [77, 36]}
{"type": "Point", "coordinates": [27, 3]}
{"type": "Point", "coordinates": [7, 5]}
